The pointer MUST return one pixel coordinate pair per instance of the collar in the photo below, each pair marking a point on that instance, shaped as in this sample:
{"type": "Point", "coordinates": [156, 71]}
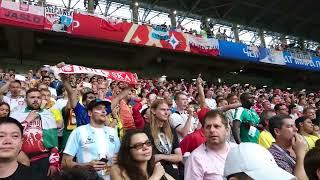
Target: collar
{"type": "Point", "coordinates": [27, 109]}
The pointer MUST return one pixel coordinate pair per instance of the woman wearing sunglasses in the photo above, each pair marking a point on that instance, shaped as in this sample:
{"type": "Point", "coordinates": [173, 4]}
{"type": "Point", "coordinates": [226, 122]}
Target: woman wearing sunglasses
{"type": "Point", "coordinates": [136, 161]}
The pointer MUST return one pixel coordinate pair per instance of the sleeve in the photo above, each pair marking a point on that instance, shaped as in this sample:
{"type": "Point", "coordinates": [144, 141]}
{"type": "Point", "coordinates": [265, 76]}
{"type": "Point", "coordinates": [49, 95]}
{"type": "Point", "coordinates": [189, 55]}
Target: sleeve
{"type": "Point", "coordinates": [72, 145]}
{"type": "Point", "coordinates": [193, 169]}
{"type": "Point", "coordinates": [138, 119]}
{"type": "Point", "coordinates": [175, 142]}
{"type": "Point", "coordinates": [176, 121]}
{"type": "Point", "coordinates": [81, 115]}
{"type": "Point", "coordinates": [263, 141]}
{"type": "Point", "coordinates": [238, 114]}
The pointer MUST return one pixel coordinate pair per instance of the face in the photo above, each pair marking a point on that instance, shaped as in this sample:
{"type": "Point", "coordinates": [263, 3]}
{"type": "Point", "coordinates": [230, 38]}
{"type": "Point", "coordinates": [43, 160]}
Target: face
{"type": "Point", "coordinates": [266, 105]}
{"type": "Point", "coordinates": [34, 100]}
{"type": "Point", "coordinates": [215, 131]}
{"type": "Point", "coordinates": [146, 116]}
{"type": "Point", "coordinates": [182, 101]}
{"type": "Point", "coordinates": [276, 100]}
{"type": "Point", "coordinates": [249, 100]}
{"type": "Point", "coordinates": [7, 77]}
{"type": "Point", "coordinates": [316, 129]}
{"type": "Point", "coordinates": [222, 103]}
{"type": "Point", "coordinates": [42, 86]}
{"type": "Point", "coordinates": [287, 130]}
{"type": "Point", "coordinates": [46, 81]}
{"type": "Point", "coordinates": [10, 141]}
{"type": "Point", "coordinates": [311, 114]}
{"type": "Point", "coordinates": [15, 88]}
{"type": "Point", "coordinates": [209, 94]}
{"type": "Point", "coordinates": [307, 126]}
{"type": "Point", "coordinates": [141, 149]}
{"type": "Point", "coordinates": [102, 87]}
{"type": "Point", "coordinates": [283, 110]}
{"type": "Point", "coordinates": [233, 100]}
{"type": "Point", "coordinates": [162, 112]}
{"type": "Point", "coordinates": [4, 110]}
{"type": "Point", "coordinates": [90, 97]}
{"type": "Point", "coordinates": [46, 95]}
{"type": "Point", "coordinates": [261, 99]}
{"type": "Point", "coordinates": [98, 114]}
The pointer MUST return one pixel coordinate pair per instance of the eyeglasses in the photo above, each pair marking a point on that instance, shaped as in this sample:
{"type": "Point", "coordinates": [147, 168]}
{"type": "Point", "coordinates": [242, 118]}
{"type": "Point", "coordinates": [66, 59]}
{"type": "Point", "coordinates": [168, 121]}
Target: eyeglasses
{"type": "Point", "coordinates": [140, 145]}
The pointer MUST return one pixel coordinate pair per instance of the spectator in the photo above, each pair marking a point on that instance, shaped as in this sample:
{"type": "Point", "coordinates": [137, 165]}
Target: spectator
{"type": "Point", "coordinates": [164, 138]}
{"type": "Point", "coordinates": [289, 149]}
{"type": "Point", "coordinates": [309, 113]}
{"type": "Point", "coordinates": [249, 161]}
{"type": "Point", "coordinates": [94, 143]}
{"type": "Point", "coordinates": [4, 109]}
{"type": "Point", "coordinates": [207, 161]}
{"type": "Point", "coordinates": [293, 112]}
{"type": "Point", "coordinates": [266, 105]}
{"type": "Point", "coordinates": [38, 122]}
{"type": "Point", "coordinates": [211, 103]}
{"type": "Point", "coordinates": [135, 159]}
{"type": "Point", "coordinates": [47, 81]}
{"type": "Point", "coordinates": [258, 105]}
{"type": "Point", "coordinates": [312, 162]}
{"type": "Point", "coordinates": [305, 128]}
{"type": "Point", "coordinates": [182, 119]}
{"type": "Point", "coordinates": [265, 138]}
{"type": "Point", "coordinates": [11, 132]}
{"type": "Point", "coordinates": [245, 121]}
{"type": "Point", "coordinates": [276, 99]}
{"type": "Point", "coordinates": [13, 97]}
{"type": "Point", "coordinates": [281, 109]}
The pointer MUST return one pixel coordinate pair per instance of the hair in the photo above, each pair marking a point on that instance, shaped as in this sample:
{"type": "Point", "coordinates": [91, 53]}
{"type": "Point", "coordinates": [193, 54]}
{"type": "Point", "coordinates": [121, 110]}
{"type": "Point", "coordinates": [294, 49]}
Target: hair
{"type": "Point", "coordinates": [10, 120]}
{"type": "Point", "coordinates": [44, 77]}
{"type": "Point", "coordinates": [154, 122]}
{"type": "Point", "coordinates": [244, 96]}
{"type": "Point", "coordinates": [143, 112]}
{"type": "Point", "coordinates": [265, 115]}
{"type": "Point", "coordinates": [312, 161]}
{"type": "Point", "coordinates": [240, 176]}
{"type": "Point", "coordinates": [231, 95]}
{"type": "Point", "coordinates": [276, 122]}
{"type": "Point", "coordinates": [220, 100]}
{"type": "Point", "coordinates": [6, 104]}
{"type": "Point", "coordinates": [277, 106]}
{"type": "Point", "coordinates": [16, 81]}
{"type": "Point", "coordinates": [300, 120]}
{"type": "Point", "coordinates": [214, 114]}
{"type": "Point", "coordinates": [32, 90]}
{"type": "Point", "coordinates": [178, 94]}
{"type": "Point", "coordinates": [305, 110]}
{"type": "Point", "coordinates": [127, 162]}
{"type": "Point", "coordinates": [77, 172]}
{"type": "Point", "coordinates": [45, 90]}
{"type": "Point", "coordinates": [291, 107]}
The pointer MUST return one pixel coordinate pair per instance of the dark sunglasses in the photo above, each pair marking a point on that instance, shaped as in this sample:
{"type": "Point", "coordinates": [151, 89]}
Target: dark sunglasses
{"type": "Point", "coordinates": [140, 145]}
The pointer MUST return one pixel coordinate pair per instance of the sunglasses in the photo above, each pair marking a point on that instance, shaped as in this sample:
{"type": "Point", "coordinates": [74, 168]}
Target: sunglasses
{"type": "Point", "coordinates": [140, 145]}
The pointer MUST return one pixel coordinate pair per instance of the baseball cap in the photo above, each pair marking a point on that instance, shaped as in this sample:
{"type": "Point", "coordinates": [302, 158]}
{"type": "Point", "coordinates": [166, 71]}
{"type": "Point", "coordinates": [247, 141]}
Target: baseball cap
{"type": "Point", "coordinates": [97, 102]}
{"type": "Point", "coordinates": [256, 161]}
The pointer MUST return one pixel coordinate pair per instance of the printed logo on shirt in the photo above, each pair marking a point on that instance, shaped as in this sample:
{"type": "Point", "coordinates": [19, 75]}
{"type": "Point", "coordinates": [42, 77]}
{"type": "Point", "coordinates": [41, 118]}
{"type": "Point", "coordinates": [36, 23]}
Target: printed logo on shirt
{"type": "Point", "coordinates": [111, 138]}
{"type": "Point", "coordinates": [89, 140]}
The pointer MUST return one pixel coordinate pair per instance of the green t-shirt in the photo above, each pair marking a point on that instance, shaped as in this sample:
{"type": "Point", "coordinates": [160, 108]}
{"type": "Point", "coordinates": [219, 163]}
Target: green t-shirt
{"type": "Point", "coordinates": [247, 117]}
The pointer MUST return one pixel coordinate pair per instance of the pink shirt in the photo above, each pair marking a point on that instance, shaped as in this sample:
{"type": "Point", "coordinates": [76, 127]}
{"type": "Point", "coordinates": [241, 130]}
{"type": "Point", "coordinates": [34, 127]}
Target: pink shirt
{"type": "Point", "coordinates": [206, 164]}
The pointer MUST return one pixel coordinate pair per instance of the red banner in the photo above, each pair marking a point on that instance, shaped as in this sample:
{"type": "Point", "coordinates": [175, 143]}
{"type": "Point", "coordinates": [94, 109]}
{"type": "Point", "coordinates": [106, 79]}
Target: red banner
{"type": "Point", "coordinates": [127, 77]}
{"type": "Point", "coordinates": [20, 14]}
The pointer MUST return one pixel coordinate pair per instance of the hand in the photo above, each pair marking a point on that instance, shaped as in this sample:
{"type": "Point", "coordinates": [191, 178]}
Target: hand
{"type": "Point", "coordinates": [158, 171]}
{"type": "Point", "coordinates": [98, 165]}
{"type": "Point", "coordinates": [115, 159]}
{"type": "Point", "coordinates": [44, 103]}
{"type": "Point", "coordinates": [157, 157]}
{"type": "Point", "coordinates": [60, 65]}
{"type": "Point", "coordinates": [32, 116]}
{"type": "Point", "coordinates": [190, 110]}
{"type": "Point", "coordinates": [52, 170]}
{"type": "Point", "coordinates": [199, 79]}
{"type": "Point", "coordinates": [101, 94]}
{"type": "Point", "coordinates": [299, 146]}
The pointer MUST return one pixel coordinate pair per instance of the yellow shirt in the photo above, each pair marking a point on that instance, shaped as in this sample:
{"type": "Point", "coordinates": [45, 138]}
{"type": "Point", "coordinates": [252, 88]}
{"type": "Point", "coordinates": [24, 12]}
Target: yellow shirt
{"type": "Point", "coordinates": [266, 139]}
{"type": "Point", "coordinates": [311, 140]}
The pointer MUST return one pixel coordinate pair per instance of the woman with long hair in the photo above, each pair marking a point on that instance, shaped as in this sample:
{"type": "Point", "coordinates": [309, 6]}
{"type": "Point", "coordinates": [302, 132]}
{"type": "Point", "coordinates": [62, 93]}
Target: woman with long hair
{"type": "Point", "coordinates": [4, 109]}
{"type": "Point", "coordinates": [164, 138]}
{"type": "Point", "coordinates": [135, 159]}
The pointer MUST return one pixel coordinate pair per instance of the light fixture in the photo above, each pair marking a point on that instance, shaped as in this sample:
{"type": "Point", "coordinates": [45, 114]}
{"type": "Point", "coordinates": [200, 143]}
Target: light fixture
{"type": "Point", "coordinates": [241, 70]}
{"type": "Point", "coordinates": [174, 12]}
{"type": "Point", "coordinates": [208, 19]}
{"type": "Point", "coordinates": [164, 76]}
{"type": "Point", "coordinates": [265, 86]}
{"type": "Point", "coordinates": [136, 4]}
{"type": "Point", "coordinates": [219, 80]}
{"type": "Point", "coordinates": [288, 89]}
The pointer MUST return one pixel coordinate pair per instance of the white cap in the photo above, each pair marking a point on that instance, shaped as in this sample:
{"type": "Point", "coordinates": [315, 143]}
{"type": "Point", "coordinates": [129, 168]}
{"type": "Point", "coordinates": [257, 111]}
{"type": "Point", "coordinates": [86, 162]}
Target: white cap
{"type": "Point", "coordinates": [256, 161]}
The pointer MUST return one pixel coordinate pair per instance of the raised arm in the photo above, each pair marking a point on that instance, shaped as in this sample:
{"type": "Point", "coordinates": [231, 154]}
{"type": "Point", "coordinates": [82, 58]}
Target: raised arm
{"type": "Point", "coordinates": [116, 100]}
{"type": "Point", "coordinates": [202, 99]}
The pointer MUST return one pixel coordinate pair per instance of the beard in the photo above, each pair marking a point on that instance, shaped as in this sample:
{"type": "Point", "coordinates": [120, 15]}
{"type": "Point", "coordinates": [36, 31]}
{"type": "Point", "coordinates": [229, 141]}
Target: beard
{"type": "Point", "coordinates": [34, 106]}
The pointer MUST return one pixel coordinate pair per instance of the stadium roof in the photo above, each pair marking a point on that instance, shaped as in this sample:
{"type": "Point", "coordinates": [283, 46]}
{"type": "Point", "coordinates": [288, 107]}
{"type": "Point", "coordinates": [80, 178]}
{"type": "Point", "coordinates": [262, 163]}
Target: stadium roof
{"type": "Point", "coordinates": [290, 17]}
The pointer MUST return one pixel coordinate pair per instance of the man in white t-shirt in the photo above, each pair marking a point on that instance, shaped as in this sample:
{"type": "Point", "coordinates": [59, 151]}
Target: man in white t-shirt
{"type": "Point", "coordinates": [47, 80]}
{"type": "Point", "coordinates": [211, 103]}
{"type": "Point", "coordinates": [93, 144]}
{"type": "Point", "coordinates": [13, 97]}
{"type": "Point", "coordinates": [182, 119]}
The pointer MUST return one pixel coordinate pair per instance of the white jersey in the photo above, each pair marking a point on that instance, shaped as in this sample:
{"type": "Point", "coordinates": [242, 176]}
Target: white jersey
{"type": "Point", "coordinates": [16, 104]}
{"type": "Point", "coordinates": [178, 121]}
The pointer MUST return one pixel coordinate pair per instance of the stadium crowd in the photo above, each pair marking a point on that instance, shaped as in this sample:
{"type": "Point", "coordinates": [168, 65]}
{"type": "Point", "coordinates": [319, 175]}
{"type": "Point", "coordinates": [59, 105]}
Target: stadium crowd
{"type": "Point", "coordinates": [82, 126]}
